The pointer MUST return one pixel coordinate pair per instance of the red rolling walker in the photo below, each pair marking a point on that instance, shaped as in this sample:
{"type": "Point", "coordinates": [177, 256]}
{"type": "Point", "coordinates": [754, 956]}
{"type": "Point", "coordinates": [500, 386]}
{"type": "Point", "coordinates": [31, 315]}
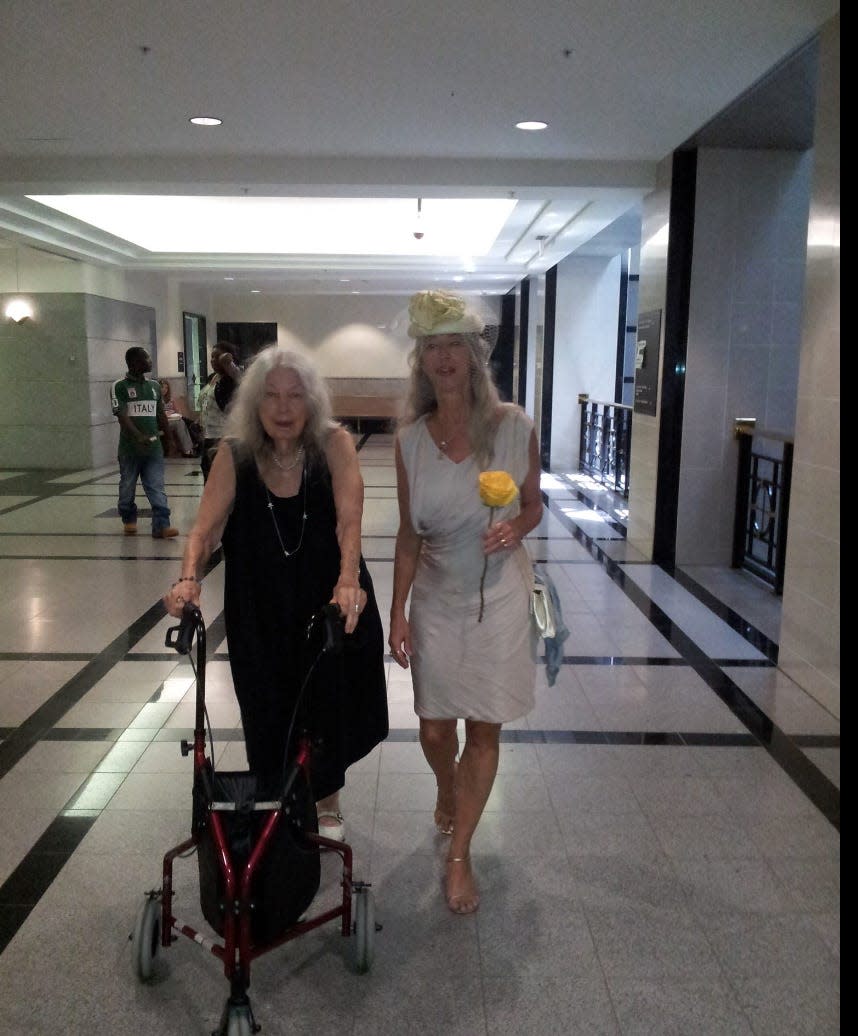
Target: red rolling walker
{"type": "Point", "coordinates": [258, 852]}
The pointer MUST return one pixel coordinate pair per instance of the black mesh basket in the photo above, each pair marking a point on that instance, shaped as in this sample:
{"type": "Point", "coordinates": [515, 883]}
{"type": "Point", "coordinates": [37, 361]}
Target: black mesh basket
{"type": "Point", "coordinates": [288, 874]}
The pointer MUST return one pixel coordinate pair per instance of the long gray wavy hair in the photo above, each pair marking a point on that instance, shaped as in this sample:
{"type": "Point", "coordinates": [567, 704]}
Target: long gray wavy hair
{"type": "Point", "coordinates": [244, 427]}
{"type": "Point", "coordinates": [485, 400]}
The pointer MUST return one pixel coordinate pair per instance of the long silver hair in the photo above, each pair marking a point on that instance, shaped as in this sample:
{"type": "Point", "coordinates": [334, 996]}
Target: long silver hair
{"type": "Point", "coordinates": [244, 426]}
{"type": "Point", "coordinates": [485, 399]}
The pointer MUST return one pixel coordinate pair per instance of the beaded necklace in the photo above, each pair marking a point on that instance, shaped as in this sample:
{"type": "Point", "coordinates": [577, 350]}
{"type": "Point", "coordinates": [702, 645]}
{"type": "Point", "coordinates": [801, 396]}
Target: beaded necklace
{"type": "Point", "coordinates": [289, 553]}
{"type": "Point", "coordinates": [299, 453]}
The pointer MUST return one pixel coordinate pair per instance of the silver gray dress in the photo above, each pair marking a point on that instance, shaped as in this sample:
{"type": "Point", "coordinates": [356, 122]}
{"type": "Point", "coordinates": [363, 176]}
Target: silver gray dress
{"type": "Point", "coordinates": [462, 668]}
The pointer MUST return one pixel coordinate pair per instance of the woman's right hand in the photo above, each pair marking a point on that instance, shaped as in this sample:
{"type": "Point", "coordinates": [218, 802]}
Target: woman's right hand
{"type": "Point", "coordinates": [182, 592]}
{"type": "Point", "coordinates": [400, 640]}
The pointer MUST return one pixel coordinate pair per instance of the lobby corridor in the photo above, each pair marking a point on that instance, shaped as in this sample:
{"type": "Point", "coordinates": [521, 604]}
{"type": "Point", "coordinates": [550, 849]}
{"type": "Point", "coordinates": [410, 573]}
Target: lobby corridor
{"type": "Point", "coordinates": [660, 853]}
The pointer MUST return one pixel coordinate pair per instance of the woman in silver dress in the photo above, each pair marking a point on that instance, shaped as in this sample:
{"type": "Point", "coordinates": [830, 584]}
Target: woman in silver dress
{"type": "Point", "coordinates": [467, 634]}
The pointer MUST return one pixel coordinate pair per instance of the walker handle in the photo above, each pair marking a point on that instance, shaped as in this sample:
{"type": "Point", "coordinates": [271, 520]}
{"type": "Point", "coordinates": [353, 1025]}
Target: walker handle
{"type": "Point", "coordinates": [332, 635]}
{"type": "Point", "coordinates": [181, 637]}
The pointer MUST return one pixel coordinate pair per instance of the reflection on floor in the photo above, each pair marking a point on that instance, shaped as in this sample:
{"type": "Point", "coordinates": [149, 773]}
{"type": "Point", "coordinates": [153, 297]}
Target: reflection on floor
{"type": "Point", "coordinates": [660, 854]}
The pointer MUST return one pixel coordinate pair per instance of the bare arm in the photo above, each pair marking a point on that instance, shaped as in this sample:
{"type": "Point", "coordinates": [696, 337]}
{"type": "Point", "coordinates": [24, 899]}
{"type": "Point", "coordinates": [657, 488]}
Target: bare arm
{"type": "Point", "coordinates": [215, 506]}
{"type": "Point", "coordinates": [404, 566]}
{"type": "Point", "coordinates": [230, 368]}
{"type": "Point", "coordinates": [347, 483]}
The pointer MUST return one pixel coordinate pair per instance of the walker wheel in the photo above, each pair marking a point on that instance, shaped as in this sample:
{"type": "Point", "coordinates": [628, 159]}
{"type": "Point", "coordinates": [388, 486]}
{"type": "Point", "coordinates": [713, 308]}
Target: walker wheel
{"type": "Point", "coordinates": [237, 1020]}
{"type": "Point", "coordinates": [240, 1025]}
{"type": "Point", "coordinates": [364, 929]}
{"type": "Point", "coordinates": [146, 938]}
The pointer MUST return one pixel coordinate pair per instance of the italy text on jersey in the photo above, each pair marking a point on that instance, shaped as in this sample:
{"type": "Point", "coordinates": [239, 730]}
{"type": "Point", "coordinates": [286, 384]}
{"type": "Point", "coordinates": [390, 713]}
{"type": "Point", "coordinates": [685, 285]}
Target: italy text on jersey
{"type": "Point", "coordinates": [142, 408]}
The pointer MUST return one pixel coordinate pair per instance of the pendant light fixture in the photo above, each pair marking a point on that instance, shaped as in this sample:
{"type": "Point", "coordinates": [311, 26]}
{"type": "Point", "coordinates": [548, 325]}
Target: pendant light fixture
{"type": "Point", "coordinates": [418, 222]}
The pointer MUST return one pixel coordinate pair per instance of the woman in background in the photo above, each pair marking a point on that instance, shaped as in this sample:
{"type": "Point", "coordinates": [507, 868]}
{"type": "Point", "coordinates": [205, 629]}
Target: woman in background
{"type": "Point", "coordinates": [216, 398]}
{"type": "Point", "coordinates": [181, 442]}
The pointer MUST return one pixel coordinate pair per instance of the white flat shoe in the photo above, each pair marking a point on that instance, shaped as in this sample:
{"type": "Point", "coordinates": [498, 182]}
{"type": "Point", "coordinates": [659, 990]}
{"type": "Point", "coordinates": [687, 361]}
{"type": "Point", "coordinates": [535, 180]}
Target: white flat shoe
{"type": "Point", "coordinates": [334, 827]}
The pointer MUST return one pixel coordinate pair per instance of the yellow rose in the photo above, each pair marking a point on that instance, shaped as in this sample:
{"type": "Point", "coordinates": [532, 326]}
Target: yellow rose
{"type": "Point", "coordinates": [428, 309]}
{"type": "Point", "coordinates": [497, 488]}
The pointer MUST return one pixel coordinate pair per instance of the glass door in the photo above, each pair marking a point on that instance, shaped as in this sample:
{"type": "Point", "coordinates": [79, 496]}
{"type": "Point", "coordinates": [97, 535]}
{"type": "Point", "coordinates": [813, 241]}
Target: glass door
{"type": "Point", "coordinates": [195, 356]}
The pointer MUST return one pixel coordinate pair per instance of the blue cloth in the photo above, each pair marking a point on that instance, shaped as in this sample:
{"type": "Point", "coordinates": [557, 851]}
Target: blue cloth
{"type": "Point", "coordinates": [553, 645]}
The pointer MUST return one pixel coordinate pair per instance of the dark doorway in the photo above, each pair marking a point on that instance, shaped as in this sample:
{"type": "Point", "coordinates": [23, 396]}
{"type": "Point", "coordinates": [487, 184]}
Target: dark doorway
{"type": "Point", "coordinates": [249, 337]}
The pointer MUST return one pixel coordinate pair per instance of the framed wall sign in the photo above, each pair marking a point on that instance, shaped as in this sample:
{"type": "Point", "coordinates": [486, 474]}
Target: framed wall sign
{"type": "Point", "coordinates": [646, 362]}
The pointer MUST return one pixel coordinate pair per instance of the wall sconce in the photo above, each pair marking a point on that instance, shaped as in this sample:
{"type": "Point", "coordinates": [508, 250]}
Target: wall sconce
{"type": "Point", "coordinates": [18, 310]}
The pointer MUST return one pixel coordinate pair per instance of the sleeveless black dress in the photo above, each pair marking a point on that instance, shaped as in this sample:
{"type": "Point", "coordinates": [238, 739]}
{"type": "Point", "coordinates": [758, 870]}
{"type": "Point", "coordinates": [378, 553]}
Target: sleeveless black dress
{"type": "Point", "coordinates": [269, 600]}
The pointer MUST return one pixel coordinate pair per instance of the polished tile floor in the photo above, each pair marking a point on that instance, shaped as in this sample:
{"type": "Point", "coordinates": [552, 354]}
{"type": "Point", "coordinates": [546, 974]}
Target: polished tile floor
{"type": "Point", "coordinates": [660, 854]}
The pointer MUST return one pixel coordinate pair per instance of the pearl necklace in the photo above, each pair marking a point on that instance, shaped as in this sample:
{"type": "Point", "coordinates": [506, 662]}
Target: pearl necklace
{"type": "Point", "coordinates": [299, 453]}
{"type": "Point", "coordinates": [289, 553]}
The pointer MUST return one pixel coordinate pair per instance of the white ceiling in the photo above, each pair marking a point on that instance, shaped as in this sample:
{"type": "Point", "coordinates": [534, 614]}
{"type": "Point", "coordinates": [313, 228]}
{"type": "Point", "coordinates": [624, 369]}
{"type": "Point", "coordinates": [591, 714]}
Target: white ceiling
{"type": "Point", "coordinates": [382, 100]}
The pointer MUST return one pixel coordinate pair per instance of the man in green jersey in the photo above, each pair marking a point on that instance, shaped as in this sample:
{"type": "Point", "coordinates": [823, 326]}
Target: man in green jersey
{"type": "Point", "coordinates": [136, 402]}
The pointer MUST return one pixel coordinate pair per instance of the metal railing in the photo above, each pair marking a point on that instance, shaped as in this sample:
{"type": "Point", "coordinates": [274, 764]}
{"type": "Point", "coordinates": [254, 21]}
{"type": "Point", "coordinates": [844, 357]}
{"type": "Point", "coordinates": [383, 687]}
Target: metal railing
{"type": "Point", "coordinates": [763, 481]}
{"type": "Point", "coordinates": [606, 442]}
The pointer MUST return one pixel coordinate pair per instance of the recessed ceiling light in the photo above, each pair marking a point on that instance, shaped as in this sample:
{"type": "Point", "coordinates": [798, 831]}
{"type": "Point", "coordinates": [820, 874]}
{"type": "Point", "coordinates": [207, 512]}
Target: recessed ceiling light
{"type": "Point", "coordinates": [229, 278]}
{"type": "Point", "coordinates": [534, 124]}
{"type": "Point", "coordinates": [255, 291]}
{"type": "Point", "coordinates": [205, 120]}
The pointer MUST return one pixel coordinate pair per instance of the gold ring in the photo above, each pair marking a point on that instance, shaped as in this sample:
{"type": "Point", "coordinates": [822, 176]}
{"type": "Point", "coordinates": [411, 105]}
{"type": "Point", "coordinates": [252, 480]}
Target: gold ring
{"type": "Point", "coordinates": [357, 607]}
{"type": "Point", "coordinates": [180, 600]}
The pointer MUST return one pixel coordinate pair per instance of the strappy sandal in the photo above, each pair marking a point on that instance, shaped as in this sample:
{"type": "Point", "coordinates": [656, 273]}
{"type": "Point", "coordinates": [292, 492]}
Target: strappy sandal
{"type": "Point", "coordinates": [443, 818]}
{"type": "Point", "coordinates": [335, 830]}
{"type": "Point", "coordinates": [443, 822]}
{"type": "Point", "coordinates": [462, 903]}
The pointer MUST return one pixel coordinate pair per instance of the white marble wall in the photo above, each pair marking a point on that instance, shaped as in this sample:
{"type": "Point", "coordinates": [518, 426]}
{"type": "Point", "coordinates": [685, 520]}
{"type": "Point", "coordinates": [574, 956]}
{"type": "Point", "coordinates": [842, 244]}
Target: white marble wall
{"type": "Point", "coordinates": [346, 335]}
{"type": "Point", "coordinates": [585, 348]}
{"type": "Point", "coordinates": [744, 329]}
{"type": "Point", "coordinates": [810, 625]}
{"type": "Point", "coordinates": [643, 464]}
{"type": "Point", "coordinates": [44, 391]}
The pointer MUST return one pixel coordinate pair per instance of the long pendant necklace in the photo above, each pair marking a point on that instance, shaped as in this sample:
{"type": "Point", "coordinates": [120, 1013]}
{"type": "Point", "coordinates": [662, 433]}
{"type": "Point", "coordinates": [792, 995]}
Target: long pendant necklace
{"type": "Point", "coordinates": [289, 553]}
{"type": "Point", "coordinates": [447, 440]}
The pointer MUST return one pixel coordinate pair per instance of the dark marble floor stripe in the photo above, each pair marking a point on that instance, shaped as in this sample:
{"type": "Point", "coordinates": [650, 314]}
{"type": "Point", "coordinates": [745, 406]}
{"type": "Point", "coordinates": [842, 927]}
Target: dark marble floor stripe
{"type": "Point", "coordinates": [52, 711]}
{"type": "Point", "coordinates": [26, 885]}
{"type": "Point", "coordinates": [724, 612]}
{"type": "Point", "coordinates": [46, 656]}
{"type": "Point", "coordinates": [36, 484]}
{"type": "Point", "coordinates": [817, 740]}
{"type": "Point", "coordinates": [217, 633]}
{"type": "Point", "coordinates": [508, 736]}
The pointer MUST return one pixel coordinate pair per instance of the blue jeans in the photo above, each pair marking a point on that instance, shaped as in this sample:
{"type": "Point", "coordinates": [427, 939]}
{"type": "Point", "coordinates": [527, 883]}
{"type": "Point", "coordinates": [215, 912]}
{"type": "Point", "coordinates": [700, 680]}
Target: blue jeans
{"type": "Point", "coordinates": [150, 471]}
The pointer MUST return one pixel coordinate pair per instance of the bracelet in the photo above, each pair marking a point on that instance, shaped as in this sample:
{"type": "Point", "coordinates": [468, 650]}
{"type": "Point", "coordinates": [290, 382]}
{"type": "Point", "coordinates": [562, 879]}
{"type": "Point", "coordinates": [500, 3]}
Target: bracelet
{"type": "Point", "coordinates": [186, 579]}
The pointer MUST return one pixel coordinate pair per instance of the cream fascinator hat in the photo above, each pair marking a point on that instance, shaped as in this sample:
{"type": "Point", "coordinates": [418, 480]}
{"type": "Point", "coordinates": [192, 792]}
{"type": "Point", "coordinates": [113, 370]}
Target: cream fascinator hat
{"type": "Point", "coordinates": [441, 313]}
